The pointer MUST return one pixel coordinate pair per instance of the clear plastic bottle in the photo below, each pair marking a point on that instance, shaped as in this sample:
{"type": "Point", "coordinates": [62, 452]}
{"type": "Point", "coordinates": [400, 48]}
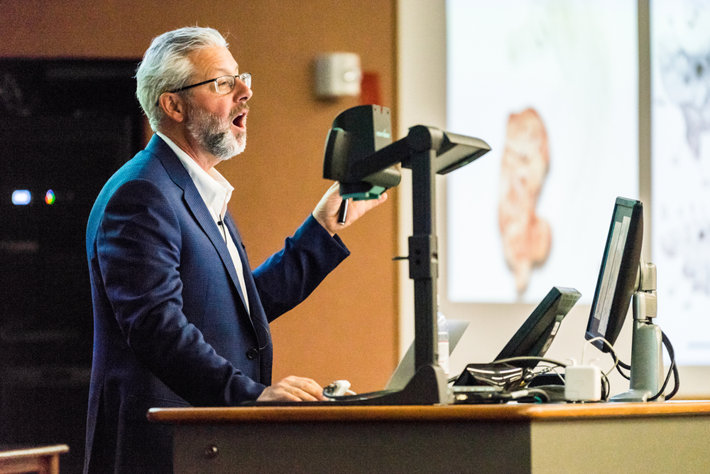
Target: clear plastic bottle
{"type": "Point", "coordinates": [443, 338]}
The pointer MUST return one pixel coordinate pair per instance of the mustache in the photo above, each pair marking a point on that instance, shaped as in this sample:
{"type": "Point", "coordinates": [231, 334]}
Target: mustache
{"type": "Point", "coordinates": [243, 109]}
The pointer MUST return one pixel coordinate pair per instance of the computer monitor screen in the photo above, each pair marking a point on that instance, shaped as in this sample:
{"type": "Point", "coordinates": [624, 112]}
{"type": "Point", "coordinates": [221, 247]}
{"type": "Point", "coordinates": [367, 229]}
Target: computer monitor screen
{"type": "Point", "coordinates": [618, 273]}
{"type": "Point", "coordinates": [540, 328]}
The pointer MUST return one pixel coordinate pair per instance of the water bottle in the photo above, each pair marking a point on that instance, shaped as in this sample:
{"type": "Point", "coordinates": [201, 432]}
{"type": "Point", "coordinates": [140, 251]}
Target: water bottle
{"type": "Point", "coordinates": [443, 338]}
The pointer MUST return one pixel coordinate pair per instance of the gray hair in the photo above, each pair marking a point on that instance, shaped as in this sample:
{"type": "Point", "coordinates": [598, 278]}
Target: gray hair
{"type": "Point", "coordinates": [166, 66]}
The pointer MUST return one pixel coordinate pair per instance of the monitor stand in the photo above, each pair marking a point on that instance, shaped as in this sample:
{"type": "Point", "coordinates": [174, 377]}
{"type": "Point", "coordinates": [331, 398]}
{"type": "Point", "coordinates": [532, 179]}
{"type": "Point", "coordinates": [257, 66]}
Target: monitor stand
{"type": "Point", "coordinates": [646, 343]}
{"type": "Point", "coordinates": [428, 386]}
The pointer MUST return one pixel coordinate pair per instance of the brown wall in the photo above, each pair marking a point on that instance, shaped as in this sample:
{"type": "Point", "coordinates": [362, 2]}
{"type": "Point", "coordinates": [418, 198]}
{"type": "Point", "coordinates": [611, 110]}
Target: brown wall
{"type": "Point", "coordinates": [348, 328]}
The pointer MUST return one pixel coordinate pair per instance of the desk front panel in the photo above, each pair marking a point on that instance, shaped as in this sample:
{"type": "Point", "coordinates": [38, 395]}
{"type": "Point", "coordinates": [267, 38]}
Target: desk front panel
{"type": "Point", "coordinates": [392, 447]}
{"type": "Point", "coordinates": [619, 437]}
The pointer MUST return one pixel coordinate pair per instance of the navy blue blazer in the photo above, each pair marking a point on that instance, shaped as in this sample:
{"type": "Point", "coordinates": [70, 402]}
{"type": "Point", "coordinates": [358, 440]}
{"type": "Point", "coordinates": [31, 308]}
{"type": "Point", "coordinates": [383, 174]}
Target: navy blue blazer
{"type": "Point", "coordinates": [170, 324]}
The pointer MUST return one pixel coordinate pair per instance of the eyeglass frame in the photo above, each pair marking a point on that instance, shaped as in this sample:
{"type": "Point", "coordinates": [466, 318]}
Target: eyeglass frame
{"type": "Point", "coordinates": [245, 77]}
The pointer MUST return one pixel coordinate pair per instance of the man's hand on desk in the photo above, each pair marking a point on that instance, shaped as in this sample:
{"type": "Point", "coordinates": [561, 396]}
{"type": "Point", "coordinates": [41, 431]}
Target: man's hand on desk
{"type": "Point", "coordinates": [292, 389]}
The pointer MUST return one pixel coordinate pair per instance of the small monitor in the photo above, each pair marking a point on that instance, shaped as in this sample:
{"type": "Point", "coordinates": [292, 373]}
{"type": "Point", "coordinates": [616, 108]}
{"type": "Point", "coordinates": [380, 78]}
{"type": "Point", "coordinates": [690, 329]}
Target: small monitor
{"type": "Point", "coordinates": [618, 273]}
{"type": "Point", "coordinates": [534, 337]}
{"type": "Point", "coordinates": [405, 369]}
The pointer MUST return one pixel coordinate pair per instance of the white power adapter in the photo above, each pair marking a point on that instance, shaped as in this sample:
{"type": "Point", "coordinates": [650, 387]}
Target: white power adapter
{"type": "Point", "coordinates": [583, 383]}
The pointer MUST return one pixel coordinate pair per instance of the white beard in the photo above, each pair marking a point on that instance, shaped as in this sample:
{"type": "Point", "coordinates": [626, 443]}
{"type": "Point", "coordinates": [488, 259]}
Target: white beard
{"type": "Point", "coordinates": [214, 134]}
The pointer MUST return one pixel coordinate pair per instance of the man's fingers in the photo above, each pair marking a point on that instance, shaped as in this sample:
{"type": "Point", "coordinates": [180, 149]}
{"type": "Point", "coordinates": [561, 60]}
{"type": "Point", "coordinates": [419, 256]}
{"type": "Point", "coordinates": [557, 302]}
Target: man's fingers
{"type": "Point", "coordinates": [293, 388]}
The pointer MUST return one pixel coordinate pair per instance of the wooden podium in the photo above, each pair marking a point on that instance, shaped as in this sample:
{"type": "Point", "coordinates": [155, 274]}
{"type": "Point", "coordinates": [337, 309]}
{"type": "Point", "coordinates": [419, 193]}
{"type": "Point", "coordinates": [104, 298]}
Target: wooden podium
{"type": "Point", "coordinates": [604, 437]}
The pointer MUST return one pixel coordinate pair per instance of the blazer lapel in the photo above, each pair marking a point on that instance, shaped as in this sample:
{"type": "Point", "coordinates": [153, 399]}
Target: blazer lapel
{"type": "Point", "coordinates": [248, 277]}
{"type": "Point", "coordinates": [258, 317]}
{"type": "Point", "coordinates": [197, 207]}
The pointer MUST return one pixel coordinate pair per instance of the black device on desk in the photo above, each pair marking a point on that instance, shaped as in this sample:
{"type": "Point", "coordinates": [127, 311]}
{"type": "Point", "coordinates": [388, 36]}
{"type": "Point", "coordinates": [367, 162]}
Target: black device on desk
{"type": "Point", "coordinates": [513, 368]}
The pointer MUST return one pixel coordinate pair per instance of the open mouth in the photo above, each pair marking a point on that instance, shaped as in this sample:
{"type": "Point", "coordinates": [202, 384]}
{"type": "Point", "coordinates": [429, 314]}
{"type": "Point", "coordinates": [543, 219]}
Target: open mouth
{"type": "Point", "coordinates": [240, 120]}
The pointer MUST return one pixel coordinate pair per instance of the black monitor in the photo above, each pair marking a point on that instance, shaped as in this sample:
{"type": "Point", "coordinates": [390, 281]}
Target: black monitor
{"type": "Point", "coordinates": [618, 273]}
{"type": "Point", "coordinates": [534, 337]}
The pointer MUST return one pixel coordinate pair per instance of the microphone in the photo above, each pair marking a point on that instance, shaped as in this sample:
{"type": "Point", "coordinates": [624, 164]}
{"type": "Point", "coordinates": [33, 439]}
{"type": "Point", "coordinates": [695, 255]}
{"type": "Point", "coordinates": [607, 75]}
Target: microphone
{"type": "Point", "coordinates": [223, 230]}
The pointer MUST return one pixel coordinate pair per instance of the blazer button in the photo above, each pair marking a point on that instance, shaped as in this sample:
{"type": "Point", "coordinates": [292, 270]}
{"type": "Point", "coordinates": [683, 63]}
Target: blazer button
{"type": "Point", "coordinates": [252, 353]}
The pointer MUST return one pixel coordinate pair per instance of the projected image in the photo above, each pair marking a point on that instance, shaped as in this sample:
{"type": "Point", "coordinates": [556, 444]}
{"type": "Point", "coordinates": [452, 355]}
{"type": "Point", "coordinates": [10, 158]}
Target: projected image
{"type": "Point", "coordinates": [680, 59]}
{"type": "Point", "coordinates": [552, 87]}
{"type": "Point", "coordinates": [525, 236]}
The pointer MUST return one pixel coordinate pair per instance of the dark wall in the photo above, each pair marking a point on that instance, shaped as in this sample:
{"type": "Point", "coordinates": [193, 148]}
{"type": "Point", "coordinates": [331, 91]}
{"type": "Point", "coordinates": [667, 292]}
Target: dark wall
{"type": "Point", "coordinates": [65, 127]}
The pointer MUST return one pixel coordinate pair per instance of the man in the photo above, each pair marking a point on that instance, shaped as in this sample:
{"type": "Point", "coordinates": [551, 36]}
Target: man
{"type": "Point", "coordinates": [179, 317]}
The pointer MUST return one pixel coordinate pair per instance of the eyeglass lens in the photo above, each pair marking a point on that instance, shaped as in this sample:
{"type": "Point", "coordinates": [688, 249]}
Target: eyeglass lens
{"type": "Point", "coordinates": [226, 84]}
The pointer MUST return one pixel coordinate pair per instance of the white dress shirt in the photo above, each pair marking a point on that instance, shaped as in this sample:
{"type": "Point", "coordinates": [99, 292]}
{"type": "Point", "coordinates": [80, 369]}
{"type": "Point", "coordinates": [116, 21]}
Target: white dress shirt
{"type": "Point", "coordinates": [215, 191]}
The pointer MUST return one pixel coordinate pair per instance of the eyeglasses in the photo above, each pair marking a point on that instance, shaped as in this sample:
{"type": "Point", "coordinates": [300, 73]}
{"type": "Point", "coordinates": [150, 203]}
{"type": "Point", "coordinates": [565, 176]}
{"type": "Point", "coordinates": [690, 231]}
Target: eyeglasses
{"type": "Point", "coordinates": [223, 84]}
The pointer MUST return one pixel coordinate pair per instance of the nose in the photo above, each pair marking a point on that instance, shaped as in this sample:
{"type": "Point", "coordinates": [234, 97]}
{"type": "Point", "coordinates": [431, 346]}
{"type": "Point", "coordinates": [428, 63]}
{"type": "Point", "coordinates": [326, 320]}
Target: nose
{"type": "Point", "coordinates": [242, 92]}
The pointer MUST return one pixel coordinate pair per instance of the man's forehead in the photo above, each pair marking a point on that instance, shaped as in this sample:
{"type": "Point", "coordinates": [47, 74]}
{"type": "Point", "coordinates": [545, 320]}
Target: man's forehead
{"type": "Point", "coordinates": [214, 60]}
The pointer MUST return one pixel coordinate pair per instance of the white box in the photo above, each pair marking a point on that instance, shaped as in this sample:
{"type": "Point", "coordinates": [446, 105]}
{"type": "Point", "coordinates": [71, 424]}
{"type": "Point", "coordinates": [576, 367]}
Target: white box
{"type": "Point", "coordinates": [583, 383]}
{"type": "Point", "coordinates": [337, 75]}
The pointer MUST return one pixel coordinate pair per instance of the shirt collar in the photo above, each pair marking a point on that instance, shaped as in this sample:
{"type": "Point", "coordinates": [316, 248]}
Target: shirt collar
{"type": "Point", "coordinates": [214, 189]}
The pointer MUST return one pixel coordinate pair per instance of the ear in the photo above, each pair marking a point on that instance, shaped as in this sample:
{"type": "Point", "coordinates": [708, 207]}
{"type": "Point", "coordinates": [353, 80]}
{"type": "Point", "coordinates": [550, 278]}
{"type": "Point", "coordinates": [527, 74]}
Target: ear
{"type": "Point", "coordinates": [173, 106]}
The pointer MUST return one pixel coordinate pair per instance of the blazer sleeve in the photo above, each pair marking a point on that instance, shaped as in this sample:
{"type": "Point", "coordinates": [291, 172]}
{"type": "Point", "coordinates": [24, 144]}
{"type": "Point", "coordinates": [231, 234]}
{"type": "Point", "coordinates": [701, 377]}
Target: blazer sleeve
{"type": "Point", "coordinates": [139, 256]}
{"type": "Point", "coordinates": [286, 278]}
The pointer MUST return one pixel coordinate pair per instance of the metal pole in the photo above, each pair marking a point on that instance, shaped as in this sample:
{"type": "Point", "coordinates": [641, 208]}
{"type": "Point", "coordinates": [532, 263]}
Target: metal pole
{"type": "Point", "coordinates": [423, 257]}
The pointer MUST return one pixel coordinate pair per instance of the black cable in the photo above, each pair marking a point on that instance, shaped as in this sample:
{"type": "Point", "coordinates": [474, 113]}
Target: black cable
{"type": "Point", "coordinates": [606, 387]}
{"type": "Point", "coordinates": [618, 363]}
{"type": "Point", "coordinates": [624, 365]}
{"type": "Point", "coordinates": [671, 354]}
{"type": "Point", "coordinates": [676, 384]}
{"type": "Point", "coordinates": [529, 358]}
{"type": "Point", "coordinates": [523, 395]}
{"type": "Point", "coordinates": [626, 376]}
{"type": "Point", "coordinates": [544, 371]}
{"type": "Point", "coordinates": [673, 369]}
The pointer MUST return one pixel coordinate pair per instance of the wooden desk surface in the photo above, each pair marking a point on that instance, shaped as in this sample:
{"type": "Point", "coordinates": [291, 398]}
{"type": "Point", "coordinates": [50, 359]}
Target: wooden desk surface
{"type": "Point", "coordinates": [497, 412]}
{"type": "Point", "coordinates": [41, 459]}
{"type": "Point", "coordinates": [7, 452]}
